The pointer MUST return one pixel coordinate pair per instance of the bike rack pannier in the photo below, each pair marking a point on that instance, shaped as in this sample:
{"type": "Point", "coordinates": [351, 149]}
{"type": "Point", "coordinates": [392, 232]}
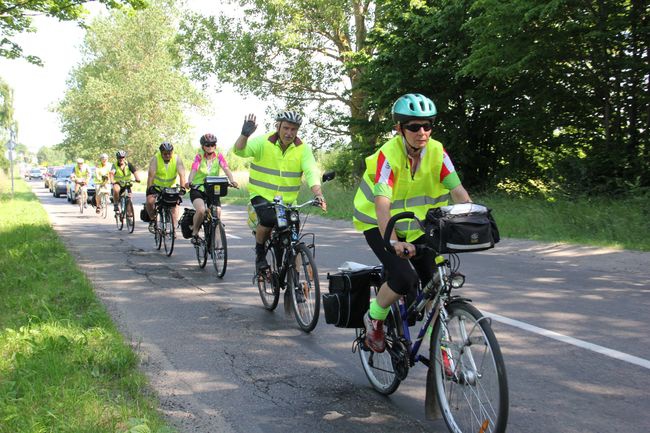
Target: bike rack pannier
{"type": "Point", "coordinates": [186, 222]}
{"type": "Point", "coordinates": [171, 196]}
{"type": "Point", "coordinates": [349, 297]}
{"type": "Point", "coordinates": [216, 186]}
{"type": "Point", "coordinates": [461, 228]}
{"type": "Point", "coordinates": [144, 215]}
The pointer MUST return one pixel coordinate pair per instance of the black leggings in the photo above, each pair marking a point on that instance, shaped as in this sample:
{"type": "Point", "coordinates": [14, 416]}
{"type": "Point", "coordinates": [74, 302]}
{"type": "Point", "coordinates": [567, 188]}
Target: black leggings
{"type": "Point", "coordinates": [400, 275]}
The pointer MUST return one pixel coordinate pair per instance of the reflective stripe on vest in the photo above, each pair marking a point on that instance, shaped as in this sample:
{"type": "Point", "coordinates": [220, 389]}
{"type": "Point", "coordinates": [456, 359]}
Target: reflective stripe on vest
{"type": "Point", "coordinates": [165, 176]}
{"type": "Point", "coordinates": [203, 172]}
{"type": "Point", "coordinates": [277, 172]}
{"type": "Point", "coordinates": [416, 194]}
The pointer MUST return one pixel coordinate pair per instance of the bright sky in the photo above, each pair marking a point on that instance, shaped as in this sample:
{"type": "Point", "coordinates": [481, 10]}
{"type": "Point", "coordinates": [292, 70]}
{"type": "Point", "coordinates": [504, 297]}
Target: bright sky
{"type": "Point", "coordinates": [36, 89]}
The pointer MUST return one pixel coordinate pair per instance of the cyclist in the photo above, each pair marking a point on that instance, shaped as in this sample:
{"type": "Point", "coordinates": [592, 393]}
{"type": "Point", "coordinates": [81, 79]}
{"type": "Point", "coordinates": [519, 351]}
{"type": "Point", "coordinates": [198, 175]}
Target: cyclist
{"type": "Point", "coordinates": [410, 172]}
{"type": "Point", "coordinates": [102, 178]}
{"type": "Point", "coordinates": [121, 173]}
{"type": "Point", "coordinates": [206, 164]}
{"type": "Point", "coordinates": [80, 175]}
{"type": "Point", "coordinates": [279, 160]}
{"type": "Point", "coordinates": [164, 168]}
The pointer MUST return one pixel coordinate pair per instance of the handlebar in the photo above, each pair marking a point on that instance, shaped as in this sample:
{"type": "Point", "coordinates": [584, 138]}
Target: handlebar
{"type": "Point", "coordinates": [159, 189]}
{"type": "Point", "coordinates": [312, 202]}
{"type": "Point", "coordinates": [391, 225]}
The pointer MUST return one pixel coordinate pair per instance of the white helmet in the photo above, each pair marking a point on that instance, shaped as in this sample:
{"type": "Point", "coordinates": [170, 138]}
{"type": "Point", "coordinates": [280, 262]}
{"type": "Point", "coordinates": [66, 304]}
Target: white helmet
{"type": "Point", "coordinates": [80, 160]}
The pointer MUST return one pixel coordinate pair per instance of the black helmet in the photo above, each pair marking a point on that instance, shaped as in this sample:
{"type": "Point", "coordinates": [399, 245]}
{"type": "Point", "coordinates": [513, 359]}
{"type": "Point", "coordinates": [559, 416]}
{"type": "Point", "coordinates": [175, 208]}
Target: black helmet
{"type": "Point", "coordinates": [121, 154]}
{"type": "Point", "coordinates": [166, 146]}
{"type": "Point", "coordinates": [289, 116]}
{"type": "Point", "coordinates": [208, 139]}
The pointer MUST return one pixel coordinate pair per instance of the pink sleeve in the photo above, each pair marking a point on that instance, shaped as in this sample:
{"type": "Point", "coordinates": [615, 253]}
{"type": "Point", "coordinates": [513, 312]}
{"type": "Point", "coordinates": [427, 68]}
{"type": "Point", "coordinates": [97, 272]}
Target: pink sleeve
{"type": "Point", "coordinates": [197, 162]}
{"type": "Point", "coordinates": [222, 161]}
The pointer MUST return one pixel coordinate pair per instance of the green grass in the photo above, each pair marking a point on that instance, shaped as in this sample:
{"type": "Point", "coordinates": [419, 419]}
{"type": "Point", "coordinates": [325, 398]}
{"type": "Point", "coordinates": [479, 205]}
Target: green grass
{"type": "Point", "coordinates": [64, 367]}
{"type": "Point", "coordinates": [615, 223]}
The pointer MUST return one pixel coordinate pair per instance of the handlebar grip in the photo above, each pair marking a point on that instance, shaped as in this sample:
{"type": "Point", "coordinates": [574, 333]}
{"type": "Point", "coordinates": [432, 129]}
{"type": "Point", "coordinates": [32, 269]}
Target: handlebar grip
{"type": "Point", "coordinates": [391, 225]}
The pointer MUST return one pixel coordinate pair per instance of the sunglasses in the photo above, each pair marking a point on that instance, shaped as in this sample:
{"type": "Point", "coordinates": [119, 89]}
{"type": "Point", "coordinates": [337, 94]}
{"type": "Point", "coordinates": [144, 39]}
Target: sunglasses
{"type": "Point", "coordinates": [415, 127]}
{"type": "Point", "coordinates": [210, 144]}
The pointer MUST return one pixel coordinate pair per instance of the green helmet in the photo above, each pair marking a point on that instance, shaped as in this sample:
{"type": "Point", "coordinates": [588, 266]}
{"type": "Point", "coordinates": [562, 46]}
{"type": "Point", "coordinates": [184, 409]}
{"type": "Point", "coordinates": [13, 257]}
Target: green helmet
{"type": "Point", "coordinates": [413, 106]}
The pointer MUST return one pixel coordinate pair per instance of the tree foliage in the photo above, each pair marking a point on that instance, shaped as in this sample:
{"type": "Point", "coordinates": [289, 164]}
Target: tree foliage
{"type": "Point", "coordinates": [6, 106]}
{"type": "Point", "coordinates": [129, 92]}
{"type": "Point", "coordinates": [16, 17]}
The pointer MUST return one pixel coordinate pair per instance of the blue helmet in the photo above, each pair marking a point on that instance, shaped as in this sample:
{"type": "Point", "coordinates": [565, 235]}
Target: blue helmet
{"type": "Point", "coordinates": [413, 106]}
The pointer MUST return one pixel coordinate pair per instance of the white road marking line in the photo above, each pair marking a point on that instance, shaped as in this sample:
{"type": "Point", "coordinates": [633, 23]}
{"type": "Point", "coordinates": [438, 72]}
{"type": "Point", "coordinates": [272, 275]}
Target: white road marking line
{"type": "Point", "coordinates": [573, 341]}
{"type": "Point", "coordinates": [228, 235]}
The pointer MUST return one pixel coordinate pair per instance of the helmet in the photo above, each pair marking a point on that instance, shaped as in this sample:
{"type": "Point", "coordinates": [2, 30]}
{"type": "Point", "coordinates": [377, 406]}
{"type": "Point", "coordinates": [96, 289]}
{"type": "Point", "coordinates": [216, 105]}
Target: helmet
{"type": "Point", "coordinates": [413, 106]}
{"type": "Point", "coordinates": [121, 154]}
{"type": "Point", "coordinates": [289, 116]}
{"type": "Point", "coordinates": [166, 146]}
{"type": "Point", "coordinates": [103, 156]}
{"type": "Point", "coordinates": [208, 138]}
{"type": "Point", "coordinates": [80, 160]}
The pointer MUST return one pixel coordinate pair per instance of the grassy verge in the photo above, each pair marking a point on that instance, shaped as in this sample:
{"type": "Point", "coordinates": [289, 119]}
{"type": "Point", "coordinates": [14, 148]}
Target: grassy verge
{"type": "Point", "coordinates": [615, 223]}
{"type": "Point", "coordinates": [63, 364]}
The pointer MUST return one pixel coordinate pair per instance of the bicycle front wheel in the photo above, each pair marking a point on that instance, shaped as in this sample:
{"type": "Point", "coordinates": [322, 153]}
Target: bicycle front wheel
{"type": "Point", "coordinates": [168, 234]}
{"type": "Point", "coordinates": [470, 375]}
{"type": "Point", "coordinates": [129, 215]}
{"type": "Point", "coordinates": [219, 249]}
{"type": "Point", "coordinates": [200, 248]}
{"type": "Point", "coordinates": [82, 197]}
{"type": "Point", "coordinates": [104, 202]}
{"type": "Point", "coordinates": [304, 287]}
{"type": "Point", "coordinates": [384, 370]}
{"type": "Point", "coordinates": [157, 233]}
{"type": "Point", "coordinates": [268, 282]}
{"type": "Point", "coordinates": [119, 216]}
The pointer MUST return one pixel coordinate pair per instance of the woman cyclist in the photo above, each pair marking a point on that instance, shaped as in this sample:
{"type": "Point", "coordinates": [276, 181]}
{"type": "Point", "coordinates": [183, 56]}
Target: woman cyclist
{"type": "Point", "coordinates": [206, 163]}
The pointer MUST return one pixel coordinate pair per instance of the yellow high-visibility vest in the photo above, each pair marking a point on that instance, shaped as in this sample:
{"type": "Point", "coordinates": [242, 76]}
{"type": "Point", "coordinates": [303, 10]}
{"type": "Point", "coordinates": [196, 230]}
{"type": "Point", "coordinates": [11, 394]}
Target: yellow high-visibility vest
{"type": "Point", "coordinates": [165, 176]}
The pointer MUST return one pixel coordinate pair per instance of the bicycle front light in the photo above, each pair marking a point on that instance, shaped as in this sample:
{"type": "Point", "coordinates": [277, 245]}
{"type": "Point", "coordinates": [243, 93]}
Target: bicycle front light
{"type": "Point", "coordinates": [293, 217]}
{"type": "Point", "coordinates": [457, 280]}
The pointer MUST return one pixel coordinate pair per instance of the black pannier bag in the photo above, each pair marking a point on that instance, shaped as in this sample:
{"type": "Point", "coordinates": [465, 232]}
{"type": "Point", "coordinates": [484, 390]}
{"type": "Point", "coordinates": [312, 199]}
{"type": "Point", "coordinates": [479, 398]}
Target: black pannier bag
{"type": "Point", "coordinates": [186, 222]}
{"type": "Point", "coordinates": [144, 215]}
{"type": "Point", "coordinates": [349, 297]}
{"type": "Point", "coordinates": [461, 228]}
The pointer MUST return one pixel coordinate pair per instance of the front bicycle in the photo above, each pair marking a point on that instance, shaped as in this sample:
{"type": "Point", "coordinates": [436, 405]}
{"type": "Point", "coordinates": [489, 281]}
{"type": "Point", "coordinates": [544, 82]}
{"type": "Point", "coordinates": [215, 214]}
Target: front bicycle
{"type": "Point", "coordinates": [166, 201]}
{"type": "Point", "coordinates": [82, 196]}
{"type": "Point", "coordinates": [125, 208]}
{"type": "Point", "coordinates": [467, 377]}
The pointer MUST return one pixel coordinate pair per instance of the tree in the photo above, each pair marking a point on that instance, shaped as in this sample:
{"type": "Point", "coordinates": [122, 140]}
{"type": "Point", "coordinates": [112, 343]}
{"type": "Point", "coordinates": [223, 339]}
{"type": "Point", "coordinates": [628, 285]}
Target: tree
{"type": "Point", "coordinates": [129, 93]}
{"type": "Point", "coordinates": [6, 105]}
{"type": "Point", "coordinates": [309, 54]}
{"type": "Point", "coordinates": [15, 17]}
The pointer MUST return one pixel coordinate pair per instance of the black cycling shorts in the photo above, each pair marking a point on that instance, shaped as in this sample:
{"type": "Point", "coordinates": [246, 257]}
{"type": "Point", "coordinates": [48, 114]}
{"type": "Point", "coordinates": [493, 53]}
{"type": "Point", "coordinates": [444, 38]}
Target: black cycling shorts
{"type": "Point", "coordinates": [152, 190]}
{"type": "Point", "coordinates": [265, 214]}
{"type": "Point", "coordinates": [401, 276]}
{"type": "Point", "coordinates": [195, 194]}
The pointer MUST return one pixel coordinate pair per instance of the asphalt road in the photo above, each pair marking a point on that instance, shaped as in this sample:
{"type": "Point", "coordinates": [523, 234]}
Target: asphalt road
{"type": "Point", "coordinates": [573, 323]}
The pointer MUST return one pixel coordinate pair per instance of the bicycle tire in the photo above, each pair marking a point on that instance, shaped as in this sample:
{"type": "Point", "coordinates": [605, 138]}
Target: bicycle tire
{"type": "Point", "coordinates": [168, 233]}
{"type": "Point", "coordinates": [219, 249]}
{"type": "Point", "coordinates": [380, 368]}
{"type": "Point", "coordinates": [269, 284]}
{"type": "Point", "coordinates": [130, 220]}
{"type": "Point", "coordinates": [104, 204]}
{"type": "Point", "coordinates": [302, 282]}
{"type": "Point", "coordinates": [119, 216]}
{"type": "Point", "coordinates": [157, 233]}
{"type": "Point", "coordinates": [201, 249]}
{"type": "Point", "coordinates": [470, 379]}
{"type": "Point", "coordinates": [82, 197]}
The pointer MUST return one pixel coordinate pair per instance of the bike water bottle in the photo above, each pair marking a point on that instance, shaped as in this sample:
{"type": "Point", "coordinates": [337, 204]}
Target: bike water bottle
{"type": "Point", "coordinates": [280, 212]}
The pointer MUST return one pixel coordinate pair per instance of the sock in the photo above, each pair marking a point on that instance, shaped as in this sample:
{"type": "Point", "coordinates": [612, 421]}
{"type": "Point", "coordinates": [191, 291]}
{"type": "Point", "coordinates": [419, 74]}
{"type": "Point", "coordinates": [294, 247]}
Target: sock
{"type": "Point", "coordinates": [376, 312]}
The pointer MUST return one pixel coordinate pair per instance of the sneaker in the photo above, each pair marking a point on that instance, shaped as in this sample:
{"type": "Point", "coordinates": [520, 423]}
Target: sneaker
{"type": "Point", "coordinates": [195, 240]}
{"type": "Point", "coordinates": [261, 263]}
{"type": "Point", "coordinates": [116, 208]}
{"type": "Point", "coordinates": [300, 293]}
{"type": "Point", "coordinates": [446, 363]}
{"type": "Point", "coordinates": [98, 209]}
{"type": "Point", "coordinates": [375, 339]}
{"type": "Point", "coordinates": [152, 226]}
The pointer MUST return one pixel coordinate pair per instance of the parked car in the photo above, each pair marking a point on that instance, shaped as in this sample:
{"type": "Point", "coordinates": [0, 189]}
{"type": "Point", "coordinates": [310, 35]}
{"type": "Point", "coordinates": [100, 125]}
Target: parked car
{"type": "Point", "coordinates": [60, 181]}
{"type": "Point", "coordinates": [49, 174]}
{"type": "Point", "coordinates": [69, 187]}
{"type": "Point", "coordinates": [35, 173]}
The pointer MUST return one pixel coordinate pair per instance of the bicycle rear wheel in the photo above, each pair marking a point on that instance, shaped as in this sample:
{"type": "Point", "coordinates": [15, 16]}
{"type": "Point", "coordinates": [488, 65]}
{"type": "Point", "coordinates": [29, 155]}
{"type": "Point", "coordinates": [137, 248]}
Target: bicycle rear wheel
{"type": "Point", "coordinates": [219, 249]}
{"type": "Point", "coordinates": [200, 248]}
{"type": "Point", "coordinates": [168, 235]}
{"type": "Point", "coordinates": [268, 284]}
{"type": "Point", "coordinates": [302, 282]}
{"type": "Point", "coordinates": [129, 215]}
{"type": "Point", "coordinates": [470, 375]}
{"type": "Point", "coordinates": [385, 369]}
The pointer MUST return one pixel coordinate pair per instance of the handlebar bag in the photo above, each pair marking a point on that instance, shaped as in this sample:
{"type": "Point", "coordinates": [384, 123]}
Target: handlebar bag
{"type": "Point", "coordinates": [461, 228]}
{"type": "Point", "coordinates": [349, 297]}
{"type": "Point", "coordinates": [186, 222]}
{"type": "Point", "coordinates": [171, 196]}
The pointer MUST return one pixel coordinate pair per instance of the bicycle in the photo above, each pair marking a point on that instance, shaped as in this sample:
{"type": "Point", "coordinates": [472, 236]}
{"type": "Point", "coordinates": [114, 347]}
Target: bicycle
{"type": "Point", "coordinates": [467, 375]}
{"type": "Point", "coordinates": [103, 191]}
{"type": "Point", "coordinates": [82, 196]}
{"type": "Point", "coordinates": [125, 209]}
{"type": "Point", "coordinates": [213, 242]}
{"type": "Point", "coordinates": [166, 201]}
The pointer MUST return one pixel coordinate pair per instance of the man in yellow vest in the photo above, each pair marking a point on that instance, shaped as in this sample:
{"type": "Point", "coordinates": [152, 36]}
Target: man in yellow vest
{"type": "Point", "coordinates": [81, 176]}
{"type": "Point", "coordinates": [410, 172]}
{"type": "Point", "coordinates": [102, 179]}
{"type": "Point", "coordinates": [280, 159]}
{"type": "Point", "coordinates": [164, 168]}
{"type": "Point", "coordinates": [122, 173]}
